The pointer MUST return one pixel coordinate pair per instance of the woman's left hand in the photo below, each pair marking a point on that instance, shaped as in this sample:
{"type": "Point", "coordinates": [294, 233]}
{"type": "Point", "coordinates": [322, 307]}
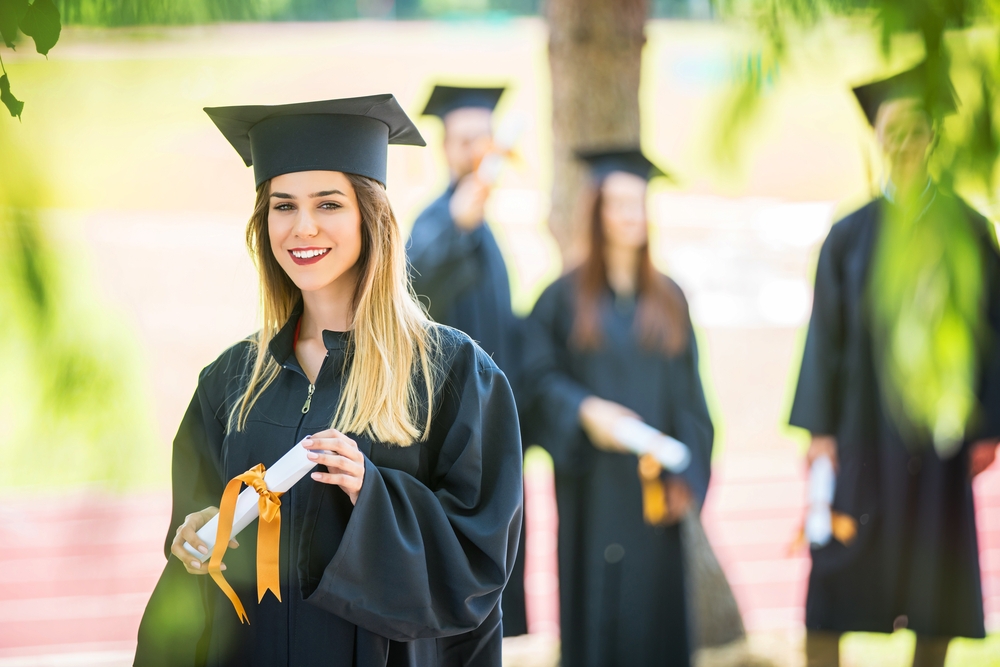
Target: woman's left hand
{"type": "Point", "coordinates": [345, 464]}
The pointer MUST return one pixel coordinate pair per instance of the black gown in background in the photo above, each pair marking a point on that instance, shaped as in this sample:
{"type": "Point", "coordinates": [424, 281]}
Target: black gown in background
{"type": "Point", "coordinates": [916, 552]}
{"type": "Point", "coordinates": [621, 581]}
{"type": "Point", "coordinates": [410, 575]}
{"type": "Point", "coordinates": [463, 277]}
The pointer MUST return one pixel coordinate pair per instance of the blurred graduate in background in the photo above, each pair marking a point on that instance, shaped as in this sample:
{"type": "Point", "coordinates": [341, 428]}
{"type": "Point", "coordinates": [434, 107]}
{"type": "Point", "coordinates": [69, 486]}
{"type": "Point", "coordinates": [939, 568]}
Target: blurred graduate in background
{"type": "Point", "coordinates": [900, 388]}
{"type": "Point", "coordinates": [457, 269]}
{"type": "Point", "coordinates": [612, 340]}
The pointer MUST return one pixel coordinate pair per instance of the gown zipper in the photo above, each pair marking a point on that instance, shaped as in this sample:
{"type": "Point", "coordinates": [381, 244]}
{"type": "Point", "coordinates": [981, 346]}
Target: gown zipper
{"type": "Point", "coordinates": [309, 398]}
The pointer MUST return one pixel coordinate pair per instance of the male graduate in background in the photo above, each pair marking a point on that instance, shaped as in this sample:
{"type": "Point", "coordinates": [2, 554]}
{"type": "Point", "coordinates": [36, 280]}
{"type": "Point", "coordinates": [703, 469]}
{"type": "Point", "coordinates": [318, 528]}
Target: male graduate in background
{"type": "Point", "coordinates": [909, 267]}
{"type": "Point", "coordinates": [457, 266]}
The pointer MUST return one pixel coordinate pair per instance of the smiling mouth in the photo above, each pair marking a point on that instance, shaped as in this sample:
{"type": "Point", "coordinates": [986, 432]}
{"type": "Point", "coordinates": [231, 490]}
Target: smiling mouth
{"type": "Point", "coordinates": [302, 256]}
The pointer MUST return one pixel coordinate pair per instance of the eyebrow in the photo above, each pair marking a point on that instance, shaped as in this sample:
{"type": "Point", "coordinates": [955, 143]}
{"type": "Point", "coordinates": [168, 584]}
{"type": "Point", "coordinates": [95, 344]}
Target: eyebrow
{"type": "Point", "coordinates": [322, 193]}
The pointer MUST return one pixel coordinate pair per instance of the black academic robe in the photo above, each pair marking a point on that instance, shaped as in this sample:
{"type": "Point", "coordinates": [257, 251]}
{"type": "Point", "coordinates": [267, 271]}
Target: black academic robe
{"type": "Point", "coordinates": [462, 277]}
{"type": "Point", "coordinates": [410, 575]}
{"type": "Point", "coordinates": [621, 581]}
{"type": "Point", "coordinates": [916, 553]}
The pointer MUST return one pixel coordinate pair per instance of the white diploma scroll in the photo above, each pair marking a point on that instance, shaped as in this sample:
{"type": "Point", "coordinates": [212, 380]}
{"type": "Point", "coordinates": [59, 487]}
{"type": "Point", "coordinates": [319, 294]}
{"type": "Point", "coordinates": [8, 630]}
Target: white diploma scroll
{"type": "Point", "coordinates": [280, 477]}
{"type": "Point", "coordinates": [641, 438]}
{"type": "Point", "coordinates": [504, 139]}
{"type": "Point", "coordinates": [822, 483]}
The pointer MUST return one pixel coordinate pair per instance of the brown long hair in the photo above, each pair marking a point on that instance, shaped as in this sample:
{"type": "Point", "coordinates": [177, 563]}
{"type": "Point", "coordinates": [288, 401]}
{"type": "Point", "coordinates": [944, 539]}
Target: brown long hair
{"type": "Point", "coordinates": [394, 368]}
{"type": "Point", "coordinates": [662, 319]}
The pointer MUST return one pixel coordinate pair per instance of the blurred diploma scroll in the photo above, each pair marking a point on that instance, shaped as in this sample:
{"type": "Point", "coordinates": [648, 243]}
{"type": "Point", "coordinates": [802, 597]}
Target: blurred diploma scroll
{"type": "Point", "coordinates": [822, 482]}
{"type": "Point", "coordinates": [280, 477]}
{"type": "Point", "coordinates": [641, 438]}
{"type": "Point", "coordinates": [504, 140]}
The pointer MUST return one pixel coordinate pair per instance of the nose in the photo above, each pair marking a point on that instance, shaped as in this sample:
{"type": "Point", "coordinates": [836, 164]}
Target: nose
{"type": "Point", "coordinates": [305, 225]}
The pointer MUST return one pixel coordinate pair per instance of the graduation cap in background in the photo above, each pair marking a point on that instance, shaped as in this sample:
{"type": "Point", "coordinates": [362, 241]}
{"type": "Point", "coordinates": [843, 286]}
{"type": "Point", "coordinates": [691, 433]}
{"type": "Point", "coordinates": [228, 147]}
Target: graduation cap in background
{"type": "Point", "coordinates": [937, 92]}
{"type": "Point", "coordinates": [350, 135]}
{"type": "Point", "coordinates": [630, 160]}
{"type": "Point", "coordinates": [445, 99]}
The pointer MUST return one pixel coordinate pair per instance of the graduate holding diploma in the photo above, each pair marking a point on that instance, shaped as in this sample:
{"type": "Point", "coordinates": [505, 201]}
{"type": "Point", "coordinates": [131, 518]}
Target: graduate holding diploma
{"type": "Point", "coordinates": [457, 266]}
{"type": "Point", "coordinates": [395, 549]}
{"type": "Point", "coordinates": [611, 343]}
{"type": "Point", "coordinates": [906, 552]}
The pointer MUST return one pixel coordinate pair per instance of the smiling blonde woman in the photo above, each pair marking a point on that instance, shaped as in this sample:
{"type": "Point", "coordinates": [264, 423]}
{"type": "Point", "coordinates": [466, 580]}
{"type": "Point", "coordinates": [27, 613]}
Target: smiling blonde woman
{"type": "Point", "coordinates": [395, 550]}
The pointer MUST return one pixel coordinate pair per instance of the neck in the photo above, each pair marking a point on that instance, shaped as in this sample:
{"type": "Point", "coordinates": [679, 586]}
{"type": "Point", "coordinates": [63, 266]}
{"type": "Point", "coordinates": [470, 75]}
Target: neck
{"type": "Point", "coordinates": [330, 308]}
{"type": "Point", "coordinates": [623, 268]}
{"type": "Point", "coordinates": [910, 184]}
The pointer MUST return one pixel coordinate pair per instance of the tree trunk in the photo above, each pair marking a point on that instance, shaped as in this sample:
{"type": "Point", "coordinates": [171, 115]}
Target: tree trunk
{"type": "Point", "coordinates": [595, 51]}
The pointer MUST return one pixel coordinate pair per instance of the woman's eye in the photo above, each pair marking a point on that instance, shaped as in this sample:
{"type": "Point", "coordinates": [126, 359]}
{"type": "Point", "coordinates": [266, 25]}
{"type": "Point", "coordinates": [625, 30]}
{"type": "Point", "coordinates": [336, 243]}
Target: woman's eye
{"type": "Point", "coordinates": [329, 206]}
{"type": "Point", "coordinates": [284, 207]}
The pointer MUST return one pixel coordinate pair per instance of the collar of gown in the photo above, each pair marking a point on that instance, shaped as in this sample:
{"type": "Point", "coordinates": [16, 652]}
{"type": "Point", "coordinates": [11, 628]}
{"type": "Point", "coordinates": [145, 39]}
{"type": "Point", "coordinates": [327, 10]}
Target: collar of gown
{"type": "Point", "coordinates": [282, 346]}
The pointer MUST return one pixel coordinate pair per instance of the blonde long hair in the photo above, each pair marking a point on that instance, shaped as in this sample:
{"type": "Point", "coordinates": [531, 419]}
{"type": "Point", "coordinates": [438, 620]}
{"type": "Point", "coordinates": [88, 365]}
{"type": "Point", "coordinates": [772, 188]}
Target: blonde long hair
{"type": "Point", "coordinates": [393, 369]}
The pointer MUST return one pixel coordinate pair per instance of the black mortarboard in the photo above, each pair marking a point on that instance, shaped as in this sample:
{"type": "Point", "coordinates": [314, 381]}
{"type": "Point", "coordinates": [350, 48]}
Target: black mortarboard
{"type": "Point", "coordinates": [445, 99]}
{"type": "Point", "coordinates": [350, 135]}
{"type": "Point", "coordinates": [938, 94]}
{"type": "Point", "coordinates": [608, 160]}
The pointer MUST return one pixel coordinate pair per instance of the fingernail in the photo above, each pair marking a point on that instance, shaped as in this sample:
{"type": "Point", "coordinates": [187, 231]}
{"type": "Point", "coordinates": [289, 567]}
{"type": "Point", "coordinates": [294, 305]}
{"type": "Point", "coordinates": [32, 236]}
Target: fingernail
{"type": "Point", "coordinates": [223, 567]}
{"type": "Point", "coordinates": [196, 565]}
{"type": "Point", "coordinates": [203, 549]}
{"type": "Point", "coordinates": [315, 475]}
{"type": "Point", "coordinates": [236, 543]}
{"type": "Point", "coordinates": [308, 436]}
{"type": "Point", "coordinates": [312, 455]}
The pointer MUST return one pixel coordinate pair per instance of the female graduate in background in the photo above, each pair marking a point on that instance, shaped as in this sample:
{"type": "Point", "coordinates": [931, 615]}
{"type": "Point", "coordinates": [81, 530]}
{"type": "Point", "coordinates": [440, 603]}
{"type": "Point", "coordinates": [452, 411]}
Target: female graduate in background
{"type": "Point", "coordinates": [396, 549]}
{"type": "Point", "coordinates": [613, 339]}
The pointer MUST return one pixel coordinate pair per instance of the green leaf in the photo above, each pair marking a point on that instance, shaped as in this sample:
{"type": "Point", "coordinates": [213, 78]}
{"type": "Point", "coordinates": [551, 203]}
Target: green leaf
{"type": "Point", "coordinates": [13, 104]}
{"type": "Point", "coordinates": [11, 12]}
{"type": "Point", "coordinates": [41, 23]}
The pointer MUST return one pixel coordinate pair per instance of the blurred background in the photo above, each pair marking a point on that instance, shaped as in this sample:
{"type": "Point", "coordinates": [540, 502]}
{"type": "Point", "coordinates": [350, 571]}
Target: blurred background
{"type": "Point", "coordinates": [123, 270]}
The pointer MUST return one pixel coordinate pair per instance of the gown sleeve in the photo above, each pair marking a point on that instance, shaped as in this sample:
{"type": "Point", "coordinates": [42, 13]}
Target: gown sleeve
{"type": "Point", "coordinates": [690, 420]}
{"type": "Point", "coordinates": [175, 624]}
{"type": "Point", "coordinates": [444, 259]}
{"type": "Point", "coordinates": [429, 561]}
{"type": "Point", "coordinates": [815, 407]}
{"type": "Point", "coordinates": [550, 398]}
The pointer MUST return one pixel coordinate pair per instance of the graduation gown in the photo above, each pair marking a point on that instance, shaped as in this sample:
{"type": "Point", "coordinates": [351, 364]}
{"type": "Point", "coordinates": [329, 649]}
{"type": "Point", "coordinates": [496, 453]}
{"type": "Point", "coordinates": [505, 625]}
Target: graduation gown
{"type": "Point", "coordinates": [916, 553]}
{"type": "Point", "coordinates": [621, 581]}
{"type": "Point", "coordinates": [410, 575]}
{"type": "Point", "coordinates": [464, 278]}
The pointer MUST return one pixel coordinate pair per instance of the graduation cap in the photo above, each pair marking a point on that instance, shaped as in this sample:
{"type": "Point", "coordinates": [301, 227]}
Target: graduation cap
{"type": "Point", "coordinates": [937, 93]}
{"type": "Point", "coordinates": [349, 135]}
{"type": "Point", "coordinates": [445, 99]}
{"type": "Point", "coordinates": [629, 160]}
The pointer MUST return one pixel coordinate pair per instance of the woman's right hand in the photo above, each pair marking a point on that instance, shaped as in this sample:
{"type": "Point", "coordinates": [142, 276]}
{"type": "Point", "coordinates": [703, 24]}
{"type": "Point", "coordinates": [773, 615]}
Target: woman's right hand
{"type": "Point", "coordinates": [188, 532]}
{"type": "Point", "coordinates": [823, 445]}
{"type": "Point", "coordinates": [598, 418]}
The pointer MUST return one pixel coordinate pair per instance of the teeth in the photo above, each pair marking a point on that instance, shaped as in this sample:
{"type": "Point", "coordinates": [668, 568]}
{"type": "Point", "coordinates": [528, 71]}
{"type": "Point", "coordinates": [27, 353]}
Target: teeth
{"type": "Point", "coordinates": [307, 254]}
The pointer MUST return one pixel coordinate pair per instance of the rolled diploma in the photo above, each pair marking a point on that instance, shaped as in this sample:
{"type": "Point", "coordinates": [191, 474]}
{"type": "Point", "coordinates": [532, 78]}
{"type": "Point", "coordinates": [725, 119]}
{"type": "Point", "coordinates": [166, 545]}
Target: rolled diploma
{"type": "Point", "coordinates": [822, 484]}
{"type": "Point", "coordinates": [641, 438]}
{"type": "Point", "coordinates": [280, 477]}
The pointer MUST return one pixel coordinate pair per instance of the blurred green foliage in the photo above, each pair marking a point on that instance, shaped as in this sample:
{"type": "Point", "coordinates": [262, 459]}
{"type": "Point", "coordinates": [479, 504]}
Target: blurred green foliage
{"type": "Point", "coordinates": [38, 20]}
{"type": "Point", "coordinates": [925, 291]}
{"type": "Point", "coordinates": [71, 411]}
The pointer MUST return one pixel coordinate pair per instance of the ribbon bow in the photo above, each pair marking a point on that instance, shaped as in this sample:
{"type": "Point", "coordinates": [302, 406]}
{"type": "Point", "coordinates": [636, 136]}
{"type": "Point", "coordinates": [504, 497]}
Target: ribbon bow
{"type": "Point", "coordinates": [268, 537]}
{"type": "Point", "coordinates": [655, 507]}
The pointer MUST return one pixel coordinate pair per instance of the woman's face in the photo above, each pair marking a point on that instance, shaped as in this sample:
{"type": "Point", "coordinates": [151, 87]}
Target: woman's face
{"type": "Point", "coordinates": [314, 224]}
{"type": "Point", "coordinates": [623, 210]}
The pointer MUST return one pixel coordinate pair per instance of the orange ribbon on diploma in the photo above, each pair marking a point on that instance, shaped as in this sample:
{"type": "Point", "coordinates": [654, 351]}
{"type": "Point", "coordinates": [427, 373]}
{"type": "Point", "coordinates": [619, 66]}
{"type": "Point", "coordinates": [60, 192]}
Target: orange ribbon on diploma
{"type": "Point", "coordinates": [268, 537]}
